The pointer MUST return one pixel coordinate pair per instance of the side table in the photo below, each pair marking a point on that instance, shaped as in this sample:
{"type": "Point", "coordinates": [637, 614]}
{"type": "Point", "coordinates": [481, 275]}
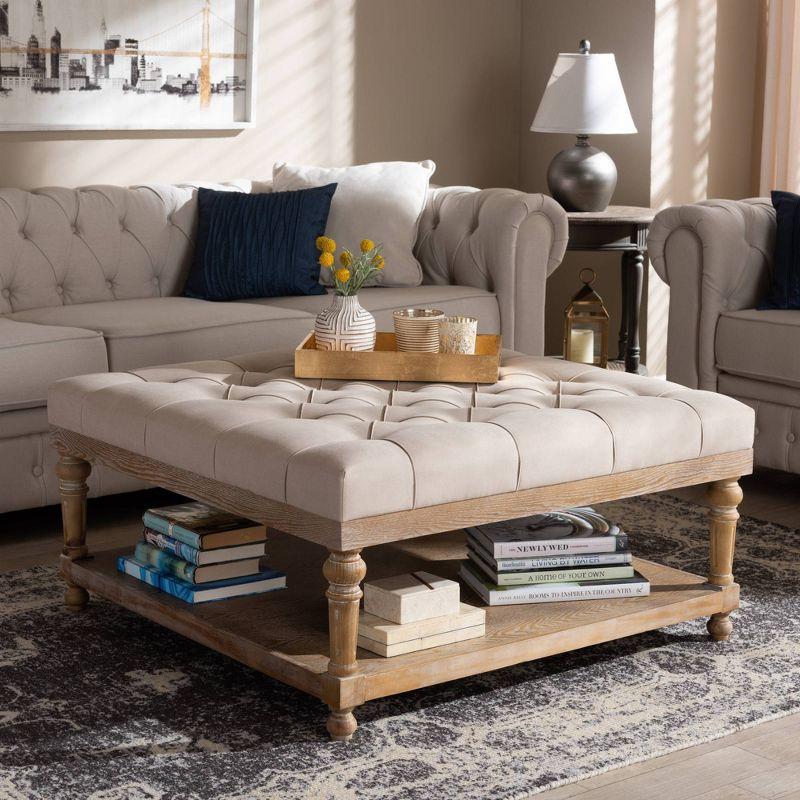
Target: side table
{"type": "Point", "coordinates": [620, 229]}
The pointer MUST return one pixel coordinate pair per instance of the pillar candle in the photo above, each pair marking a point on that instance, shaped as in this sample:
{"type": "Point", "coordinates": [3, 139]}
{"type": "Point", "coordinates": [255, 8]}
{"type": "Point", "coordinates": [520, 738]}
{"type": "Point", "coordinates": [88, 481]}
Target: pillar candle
{"type": "Point", "coordinates": [582, 346]}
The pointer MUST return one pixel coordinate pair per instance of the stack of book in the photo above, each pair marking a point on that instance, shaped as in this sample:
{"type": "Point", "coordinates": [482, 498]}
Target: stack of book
{"type": "Point", "coordinates": [198, 553]}
{"type": "Point", "coordinates": [415, 611]}
{"type": "Point", "coordinates": [566, 555]}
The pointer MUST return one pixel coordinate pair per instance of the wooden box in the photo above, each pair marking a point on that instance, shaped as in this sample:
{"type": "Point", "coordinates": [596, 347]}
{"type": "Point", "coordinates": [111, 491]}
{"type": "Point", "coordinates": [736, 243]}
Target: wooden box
{"type": "Point", "coordinates": [411, 597]}
{"type": "Point", "coordinates": [385, 363]}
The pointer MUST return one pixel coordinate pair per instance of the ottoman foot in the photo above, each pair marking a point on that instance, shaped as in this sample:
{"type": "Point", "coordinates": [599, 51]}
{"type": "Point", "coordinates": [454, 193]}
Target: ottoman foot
{"type": "Point", "coordinates": [72, 474]}
{"type": "Point", "coordinates": [76, 598]}
{"type": "Point", "coordinates": [720, 627]}
{"type": "Point", "coordinates": [341, 724]}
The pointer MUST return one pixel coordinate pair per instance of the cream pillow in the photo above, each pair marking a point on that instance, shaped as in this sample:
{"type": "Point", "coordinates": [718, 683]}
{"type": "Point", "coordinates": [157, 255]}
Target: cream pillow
{"type": "Point", "coordinates": [382, 202]}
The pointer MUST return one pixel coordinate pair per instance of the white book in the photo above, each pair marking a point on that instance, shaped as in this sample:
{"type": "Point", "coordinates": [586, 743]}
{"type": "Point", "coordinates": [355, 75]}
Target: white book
{"type": "Point", "coordinates": [493, 595]}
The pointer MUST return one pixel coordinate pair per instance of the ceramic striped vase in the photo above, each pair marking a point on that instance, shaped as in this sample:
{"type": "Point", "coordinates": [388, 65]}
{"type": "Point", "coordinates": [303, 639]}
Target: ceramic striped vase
{"type": "Point", "coordinates": [345, 325]}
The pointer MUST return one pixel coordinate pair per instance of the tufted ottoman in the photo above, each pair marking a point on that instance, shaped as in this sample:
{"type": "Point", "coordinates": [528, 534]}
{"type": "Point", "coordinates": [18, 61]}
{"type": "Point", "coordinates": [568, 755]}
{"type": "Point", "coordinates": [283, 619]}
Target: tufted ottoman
{"type": "Point", "coordinates": [350, 465]}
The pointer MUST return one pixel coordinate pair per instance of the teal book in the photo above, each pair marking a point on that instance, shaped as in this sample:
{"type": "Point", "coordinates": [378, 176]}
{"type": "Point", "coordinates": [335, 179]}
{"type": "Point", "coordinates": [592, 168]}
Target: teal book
{"type": "Point", "coordinates": [203, 527]}
{"type": "Point", "coordinates": [168, 564]}
{"type": "Point", "coordinates": [203, 557]}
{"type": "Point", "coordinates": [265, 581]}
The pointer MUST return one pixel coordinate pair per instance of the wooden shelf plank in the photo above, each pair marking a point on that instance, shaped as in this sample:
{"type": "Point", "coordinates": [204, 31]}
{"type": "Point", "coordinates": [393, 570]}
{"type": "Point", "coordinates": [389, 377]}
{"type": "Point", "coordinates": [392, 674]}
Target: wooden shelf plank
{"type": "Point", "coordinates": [284, 634]}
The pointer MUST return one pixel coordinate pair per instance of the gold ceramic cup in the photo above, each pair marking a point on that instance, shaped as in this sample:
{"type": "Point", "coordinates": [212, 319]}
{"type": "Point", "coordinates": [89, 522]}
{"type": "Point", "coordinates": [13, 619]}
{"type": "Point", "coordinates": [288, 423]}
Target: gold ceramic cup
{"type": "Point", "coordinates": [457, 335]}
{"type": "Point", "coordinates": [416, 330]}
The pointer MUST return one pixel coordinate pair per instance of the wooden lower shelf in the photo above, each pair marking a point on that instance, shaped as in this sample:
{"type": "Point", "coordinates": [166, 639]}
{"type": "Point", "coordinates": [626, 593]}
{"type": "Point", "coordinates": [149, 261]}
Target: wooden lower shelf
{"type": "Point", "coordinates": [284, 634]}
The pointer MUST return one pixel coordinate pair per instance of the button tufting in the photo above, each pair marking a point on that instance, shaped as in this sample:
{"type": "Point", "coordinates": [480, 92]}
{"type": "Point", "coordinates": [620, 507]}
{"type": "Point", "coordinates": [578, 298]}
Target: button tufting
{"type": "Point", "coordinates": [108, 284]}
{"type": "Point", "coordinates": [790, 438]}
{"type": "Point", "coordinates": [59, 289]}
{"type": "Point", "coordinates": [755, 431]}
{"type": "Point", "coordinates": [37, 471]}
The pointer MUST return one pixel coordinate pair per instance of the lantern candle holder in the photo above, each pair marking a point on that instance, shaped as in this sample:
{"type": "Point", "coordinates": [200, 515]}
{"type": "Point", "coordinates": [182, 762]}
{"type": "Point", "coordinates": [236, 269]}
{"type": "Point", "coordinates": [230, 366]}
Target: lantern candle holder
{"type": "Point", "coordinates": [586, 323]}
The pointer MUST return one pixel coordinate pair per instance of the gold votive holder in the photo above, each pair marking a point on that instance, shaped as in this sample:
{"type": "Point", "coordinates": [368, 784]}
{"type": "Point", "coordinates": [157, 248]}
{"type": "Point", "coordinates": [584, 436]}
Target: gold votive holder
{"type": "Point", "coordinates": [417, 329]}
{"type": "Point", "coordinates": [457, 335]}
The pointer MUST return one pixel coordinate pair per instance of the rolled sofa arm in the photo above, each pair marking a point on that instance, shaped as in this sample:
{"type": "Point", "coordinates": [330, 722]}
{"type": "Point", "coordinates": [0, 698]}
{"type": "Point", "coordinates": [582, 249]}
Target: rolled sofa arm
{"type": "Point", "coordinates": [716, 256]}
{"type": "Point", "coordinates": [500, 240]}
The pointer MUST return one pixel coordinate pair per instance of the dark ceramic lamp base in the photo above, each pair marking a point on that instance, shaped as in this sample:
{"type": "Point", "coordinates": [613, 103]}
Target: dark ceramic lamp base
{"type": "Point", "coordinates": [582, 177]}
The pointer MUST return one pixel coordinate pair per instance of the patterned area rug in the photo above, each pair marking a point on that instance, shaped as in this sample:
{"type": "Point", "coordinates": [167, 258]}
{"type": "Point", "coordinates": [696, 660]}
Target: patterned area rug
{"type": "Point", "coordinates": [107, 706]}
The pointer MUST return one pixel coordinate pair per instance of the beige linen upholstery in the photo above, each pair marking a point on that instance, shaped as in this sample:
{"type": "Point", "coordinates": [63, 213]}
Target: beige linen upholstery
{"type": "Point", "coordinates": [716, 256]}
{"type": "Point", "coordinates": [764, 345]}
{"type": "Point", "coordinates": [717, 259]}
{"type": "Point", "coordinates": [501, 240]}
{"type": "Point", "coordinates": [33, 356]}
{"type": "Point", "coordinates": [169, 329]}
{"type": "Point", "coordinates": [347, 450]}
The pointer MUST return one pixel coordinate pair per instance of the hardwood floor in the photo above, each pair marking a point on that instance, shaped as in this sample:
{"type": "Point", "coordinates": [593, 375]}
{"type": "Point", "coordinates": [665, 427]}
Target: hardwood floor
{"type": "Point", "coordinates": [760, 763]}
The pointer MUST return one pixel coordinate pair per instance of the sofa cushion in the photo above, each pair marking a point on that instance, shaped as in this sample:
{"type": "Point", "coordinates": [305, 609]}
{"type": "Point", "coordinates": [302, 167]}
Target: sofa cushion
{"type": "Point", "coordinates": [381, 301]}
{"type": "Point", "coordinates": [164, 330]}
{"type": "Point", "coordinates": [258, 245]}
{"type": "Point", "coordinates": [33, 356]}
{"type": "Point", "coordinates": [382, 201]}
{"type": "Point", "coordinates": [764, 345]}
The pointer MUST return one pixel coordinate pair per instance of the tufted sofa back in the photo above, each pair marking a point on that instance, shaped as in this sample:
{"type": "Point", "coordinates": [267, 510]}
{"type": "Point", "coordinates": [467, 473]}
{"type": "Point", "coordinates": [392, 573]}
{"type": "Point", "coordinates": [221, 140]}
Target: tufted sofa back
{"type": "Point", "coordinates": [64, 246]}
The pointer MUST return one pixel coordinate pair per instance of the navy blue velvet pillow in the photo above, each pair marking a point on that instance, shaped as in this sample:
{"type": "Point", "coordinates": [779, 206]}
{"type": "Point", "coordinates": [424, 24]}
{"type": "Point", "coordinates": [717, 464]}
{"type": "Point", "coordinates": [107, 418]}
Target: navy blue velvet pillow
{"type": "Point", "coordinates": [785, 289]}
{"type": "Point", "coordinates": [258, 245]}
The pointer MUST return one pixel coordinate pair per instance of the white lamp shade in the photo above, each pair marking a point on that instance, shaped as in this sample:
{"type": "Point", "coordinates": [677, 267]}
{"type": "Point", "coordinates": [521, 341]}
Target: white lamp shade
{"type": "Point", "coordinates": [584, 95]}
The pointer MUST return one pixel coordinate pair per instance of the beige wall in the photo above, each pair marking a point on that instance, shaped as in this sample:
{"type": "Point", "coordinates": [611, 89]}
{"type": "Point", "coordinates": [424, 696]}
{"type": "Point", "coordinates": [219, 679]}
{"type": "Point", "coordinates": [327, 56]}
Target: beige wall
{"type": "Point", "coordinates": [625, 28]}
{"type": "Point", "coordinates": [338, 81]}
{"type": "Point", "coordinates": [706, 123]}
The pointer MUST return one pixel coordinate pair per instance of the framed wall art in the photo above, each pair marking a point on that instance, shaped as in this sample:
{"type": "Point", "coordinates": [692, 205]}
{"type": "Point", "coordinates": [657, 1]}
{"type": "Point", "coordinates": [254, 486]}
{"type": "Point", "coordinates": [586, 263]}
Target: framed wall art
{"type": "Point", "coordinates": [116, 64]}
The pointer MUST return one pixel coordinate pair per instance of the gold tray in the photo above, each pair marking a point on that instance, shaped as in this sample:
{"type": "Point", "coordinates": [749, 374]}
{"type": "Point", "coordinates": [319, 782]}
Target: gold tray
{"type": "Point", "coordinates": [384, 363]}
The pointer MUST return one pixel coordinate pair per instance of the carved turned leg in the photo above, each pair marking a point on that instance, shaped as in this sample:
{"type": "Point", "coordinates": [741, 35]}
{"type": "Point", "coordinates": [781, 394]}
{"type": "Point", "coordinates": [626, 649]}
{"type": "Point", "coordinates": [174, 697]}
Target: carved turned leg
{"type": "Point", "coordinates": [723, 497]}
{"type": "Point", "coordinates": [72, 474]}
{"type": "Point", "coordinates": [344, 571]}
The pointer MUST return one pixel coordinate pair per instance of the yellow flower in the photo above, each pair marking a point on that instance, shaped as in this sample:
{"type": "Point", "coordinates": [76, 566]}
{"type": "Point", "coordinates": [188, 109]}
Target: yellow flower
{"type": "Point", "coordinates": [367, 245]}
{"type": "Point", "coordinates": [326, 244]}
{"type": "Point", "coordinates": [378, 262]}
{"type": "Point", "coordinates": [346, 258]}
{"type": "Point", "coordinates": [342, 274]}
{"type": "Point", "coordinates": [326, 259]}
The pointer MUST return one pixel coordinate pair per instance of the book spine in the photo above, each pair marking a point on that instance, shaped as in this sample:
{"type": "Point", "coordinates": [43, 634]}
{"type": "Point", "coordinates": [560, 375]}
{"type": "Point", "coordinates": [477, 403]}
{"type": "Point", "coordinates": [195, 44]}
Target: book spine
{"type": "Point", "coordinates": [563, 576]}
{"type": "Point", "coordinates": [164, 562]}
{"type": "Point", "coordinates": [141, 572]}
{"type": "Point", "coordinates": [563, 562]}
{"type": "Point", "coordinates": [172, 546]}
{"type": "Point", "coordinates": [558, 547]}
{"type": "Point", "coordinates": [550, 594]}
{"type": "Point", "coordinates": [161, 525]}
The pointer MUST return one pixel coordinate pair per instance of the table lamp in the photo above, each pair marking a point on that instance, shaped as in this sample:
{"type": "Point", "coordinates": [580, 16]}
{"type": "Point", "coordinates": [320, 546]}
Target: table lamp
{"type": "Point", "coordinates": [583, 96]}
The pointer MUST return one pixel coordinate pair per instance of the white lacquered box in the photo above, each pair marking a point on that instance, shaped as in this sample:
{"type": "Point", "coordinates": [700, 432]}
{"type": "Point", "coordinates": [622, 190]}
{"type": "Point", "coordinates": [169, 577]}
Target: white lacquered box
{"type": "Point", "coordinates": [411, 597]}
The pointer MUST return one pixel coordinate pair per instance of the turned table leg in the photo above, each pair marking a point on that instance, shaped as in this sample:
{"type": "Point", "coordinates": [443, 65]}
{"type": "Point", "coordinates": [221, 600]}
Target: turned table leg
{"type": "Point", "coordinates": [724, 497]}
{"type": "Point", "coordinates": [344, 571]}
{"type": "Point", "coordinates": [72, 474]}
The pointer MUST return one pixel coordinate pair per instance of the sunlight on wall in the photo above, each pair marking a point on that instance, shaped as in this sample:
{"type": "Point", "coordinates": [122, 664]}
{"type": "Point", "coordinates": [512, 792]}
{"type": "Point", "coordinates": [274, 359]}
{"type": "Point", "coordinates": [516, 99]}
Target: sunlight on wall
{"type": "Point", "coordinates": [684, 58]}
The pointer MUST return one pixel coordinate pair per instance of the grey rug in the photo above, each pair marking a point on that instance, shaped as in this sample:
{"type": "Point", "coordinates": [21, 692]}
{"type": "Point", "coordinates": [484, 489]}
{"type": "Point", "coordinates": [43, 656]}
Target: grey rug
{"type": "Point", "coordinates": [107, 706]}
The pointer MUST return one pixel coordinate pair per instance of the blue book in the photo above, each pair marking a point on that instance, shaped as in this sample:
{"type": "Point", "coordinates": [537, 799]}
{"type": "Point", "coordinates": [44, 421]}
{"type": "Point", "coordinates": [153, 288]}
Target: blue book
{"type": "Point", "coordinates": [203, 557]}
{"type": "Point", "coordinates": [203, 527]}
{"type": "Point", "coordinates": [168, 564]}
{"type": "Point", "coordinates": [264, 581]}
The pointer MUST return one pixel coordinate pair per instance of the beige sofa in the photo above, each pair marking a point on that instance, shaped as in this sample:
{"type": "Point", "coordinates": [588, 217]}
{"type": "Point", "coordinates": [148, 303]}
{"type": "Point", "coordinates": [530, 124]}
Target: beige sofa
{"type": "Point", "coordinates": [90, 281]}
{"type": "Point", "coordinates": [717, 259]}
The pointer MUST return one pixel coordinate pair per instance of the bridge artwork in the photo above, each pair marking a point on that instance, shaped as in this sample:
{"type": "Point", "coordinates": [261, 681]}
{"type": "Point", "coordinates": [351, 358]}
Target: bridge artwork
{"type": "Point", "coordinates": [118, 64]}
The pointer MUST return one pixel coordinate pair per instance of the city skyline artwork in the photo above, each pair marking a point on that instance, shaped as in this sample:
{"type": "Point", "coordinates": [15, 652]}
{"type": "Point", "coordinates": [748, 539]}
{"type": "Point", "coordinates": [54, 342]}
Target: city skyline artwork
{"type": "Point", "coordinates": [116, 64]}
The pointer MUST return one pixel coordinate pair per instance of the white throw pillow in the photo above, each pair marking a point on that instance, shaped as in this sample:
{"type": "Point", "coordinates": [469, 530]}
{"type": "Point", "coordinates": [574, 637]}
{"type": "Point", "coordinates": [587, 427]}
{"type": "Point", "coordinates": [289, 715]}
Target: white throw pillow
{"type": "Point", "coordinates": [382, 202]}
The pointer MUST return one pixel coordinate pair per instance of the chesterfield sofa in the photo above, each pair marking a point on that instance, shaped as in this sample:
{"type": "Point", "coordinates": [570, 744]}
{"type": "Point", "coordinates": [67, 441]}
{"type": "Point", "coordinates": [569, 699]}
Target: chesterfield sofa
{"type": "Point", "coordinates": [717, 258]}
{"type": "Point", "coordinates": [91, 281]}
